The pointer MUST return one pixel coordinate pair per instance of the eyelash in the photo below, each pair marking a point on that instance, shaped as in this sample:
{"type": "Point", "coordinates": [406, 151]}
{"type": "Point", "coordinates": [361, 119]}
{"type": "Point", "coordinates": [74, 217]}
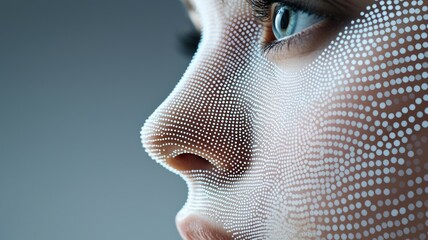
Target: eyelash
{"type": "Point", "coordinates": [262, 11]}
{"type": "Point", "coordinates": [262, 8]}
{"type": "Point", "coordinates": [278, 45]}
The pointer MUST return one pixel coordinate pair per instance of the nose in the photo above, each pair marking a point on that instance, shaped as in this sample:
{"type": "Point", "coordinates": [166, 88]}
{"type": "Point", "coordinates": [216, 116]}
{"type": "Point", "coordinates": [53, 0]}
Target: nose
{"type": "Point", "coordinates": [205, 123]}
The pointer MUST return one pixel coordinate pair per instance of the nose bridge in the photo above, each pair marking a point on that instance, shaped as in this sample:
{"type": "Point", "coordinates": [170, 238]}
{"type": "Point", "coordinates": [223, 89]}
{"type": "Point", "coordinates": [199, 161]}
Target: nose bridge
{"type": "Point", "coordinates": [206, 115]}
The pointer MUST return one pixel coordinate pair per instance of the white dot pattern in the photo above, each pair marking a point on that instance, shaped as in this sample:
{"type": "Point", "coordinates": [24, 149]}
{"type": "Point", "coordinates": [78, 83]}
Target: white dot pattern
{"type": "Point", "coordinates": [336, 150]}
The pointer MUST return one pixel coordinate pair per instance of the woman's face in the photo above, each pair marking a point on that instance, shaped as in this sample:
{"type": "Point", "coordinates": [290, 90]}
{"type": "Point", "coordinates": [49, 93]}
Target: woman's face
{"type": "Point", "coordinates": [300, 119]}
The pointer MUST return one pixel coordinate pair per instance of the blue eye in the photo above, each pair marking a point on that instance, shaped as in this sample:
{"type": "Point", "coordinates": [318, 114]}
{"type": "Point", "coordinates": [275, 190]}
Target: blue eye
{"type": "Point", "coordinates": [284, 22]}
{"type": "Point", "coordinates": [287, 21]}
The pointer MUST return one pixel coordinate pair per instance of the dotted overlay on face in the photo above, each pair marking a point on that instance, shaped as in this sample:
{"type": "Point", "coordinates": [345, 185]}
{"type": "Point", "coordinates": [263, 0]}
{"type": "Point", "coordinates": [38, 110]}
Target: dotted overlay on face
{"type": "Point", "coordinates": [334, 151]}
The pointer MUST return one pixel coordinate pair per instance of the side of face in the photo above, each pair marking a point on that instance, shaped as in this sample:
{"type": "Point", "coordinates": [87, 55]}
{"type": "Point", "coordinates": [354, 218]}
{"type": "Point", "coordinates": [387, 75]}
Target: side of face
{"type": "Point", "coordinates": [324, 137]}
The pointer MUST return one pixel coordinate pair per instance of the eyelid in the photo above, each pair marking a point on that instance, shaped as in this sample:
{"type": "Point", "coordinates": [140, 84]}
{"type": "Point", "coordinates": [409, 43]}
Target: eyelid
{"type": "Point", "coordinates": [320, 7]}
{"type": "Point", "coordinates": [263, 8]}
{"type": "Point", "coordinates": [305, 6]}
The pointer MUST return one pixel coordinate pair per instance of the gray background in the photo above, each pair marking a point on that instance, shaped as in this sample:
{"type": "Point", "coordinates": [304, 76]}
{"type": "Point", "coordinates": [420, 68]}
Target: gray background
{"type": "Point", "coordinates": [77, 80]}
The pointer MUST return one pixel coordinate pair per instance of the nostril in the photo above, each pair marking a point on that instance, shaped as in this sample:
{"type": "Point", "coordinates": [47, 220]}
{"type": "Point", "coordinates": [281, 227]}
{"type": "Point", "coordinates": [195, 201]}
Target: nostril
{"type": "Point", "coordinates": [188, 161]}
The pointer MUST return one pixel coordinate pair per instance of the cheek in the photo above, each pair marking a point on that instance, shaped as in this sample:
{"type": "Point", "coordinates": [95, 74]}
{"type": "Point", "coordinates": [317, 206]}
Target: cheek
{"type": "Point", "coordinates": [344, 139]}
{"type": "Point", "coordinates": [296, 63]}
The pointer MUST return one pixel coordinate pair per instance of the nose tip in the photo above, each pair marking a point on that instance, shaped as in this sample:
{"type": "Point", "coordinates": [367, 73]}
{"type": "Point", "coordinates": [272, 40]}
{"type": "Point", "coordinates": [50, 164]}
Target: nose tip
{"type": "Point", "coordinates": [183, 141]}
{"type": "Point", "coordinates": [182, 153]}
{"type": "Point", "coordinates": [169, 148]}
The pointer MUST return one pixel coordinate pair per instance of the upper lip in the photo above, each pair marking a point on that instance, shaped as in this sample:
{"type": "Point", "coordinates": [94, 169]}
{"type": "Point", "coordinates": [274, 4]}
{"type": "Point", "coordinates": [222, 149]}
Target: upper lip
{"type": "Point", "coordinates": [196, 227]}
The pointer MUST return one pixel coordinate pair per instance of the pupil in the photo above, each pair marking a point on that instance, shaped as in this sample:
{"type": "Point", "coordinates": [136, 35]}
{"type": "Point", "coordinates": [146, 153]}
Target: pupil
{"type": "Point", "coordinates": [285, 19]}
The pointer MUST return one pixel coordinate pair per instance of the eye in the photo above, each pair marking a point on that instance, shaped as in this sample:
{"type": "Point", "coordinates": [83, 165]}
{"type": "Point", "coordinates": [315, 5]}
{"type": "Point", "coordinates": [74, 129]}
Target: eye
{"type": "Point", "coordinates": [287, 21]}
{"type": "Point", "coordinates": [297, 30]}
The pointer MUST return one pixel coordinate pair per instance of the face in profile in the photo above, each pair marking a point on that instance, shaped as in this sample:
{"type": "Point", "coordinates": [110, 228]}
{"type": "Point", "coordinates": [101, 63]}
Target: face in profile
{"type": "Point", "coordinates": [300, 120]}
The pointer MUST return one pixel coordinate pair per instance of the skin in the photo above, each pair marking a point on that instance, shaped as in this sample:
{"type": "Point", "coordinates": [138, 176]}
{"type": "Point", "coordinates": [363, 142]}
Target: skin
{"type": "Point", "coordinates": [293, 143]}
